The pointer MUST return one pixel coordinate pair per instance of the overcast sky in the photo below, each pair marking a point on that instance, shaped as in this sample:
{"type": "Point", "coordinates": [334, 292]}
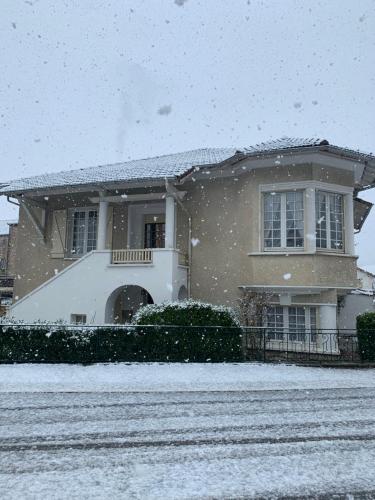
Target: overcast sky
{"type": "Point", "coordinates": [87, 82]}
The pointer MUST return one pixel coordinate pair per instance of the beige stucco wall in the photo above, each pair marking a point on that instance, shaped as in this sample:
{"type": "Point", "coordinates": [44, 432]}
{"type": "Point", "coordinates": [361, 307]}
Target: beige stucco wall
{"type": "Point", "coordinates": [12, 249]}
{"type": "Point", "coordinates": [34, 263]}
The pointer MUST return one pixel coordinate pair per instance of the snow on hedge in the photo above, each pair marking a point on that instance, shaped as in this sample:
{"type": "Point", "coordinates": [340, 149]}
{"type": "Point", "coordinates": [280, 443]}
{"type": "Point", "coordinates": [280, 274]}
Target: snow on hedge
{"type": "Point", "coordinates": [185, 306]}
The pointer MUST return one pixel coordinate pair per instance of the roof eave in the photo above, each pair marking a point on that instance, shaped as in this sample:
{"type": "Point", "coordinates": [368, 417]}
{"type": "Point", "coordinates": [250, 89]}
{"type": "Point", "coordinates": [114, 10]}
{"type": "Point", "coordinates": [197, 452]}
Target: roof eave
{"type": "Point", "coordinates": [89, 187]}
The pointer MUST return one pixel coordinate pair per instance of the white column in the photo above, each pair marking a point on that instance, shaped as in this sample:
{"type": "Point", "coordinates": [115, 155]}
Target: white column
{"type": "Point", "coordinates": [310, 229]}
{"type": "Point", "coordinates": [328, 319]}
{"type": "Point", "coordinates": [349, 224]}
{"type": "Point", "coordinates": [328, 340]}
{"type": "Point", "coordinates": [102, 225]}
{"type": "Point", "coordinates": [170, 216]}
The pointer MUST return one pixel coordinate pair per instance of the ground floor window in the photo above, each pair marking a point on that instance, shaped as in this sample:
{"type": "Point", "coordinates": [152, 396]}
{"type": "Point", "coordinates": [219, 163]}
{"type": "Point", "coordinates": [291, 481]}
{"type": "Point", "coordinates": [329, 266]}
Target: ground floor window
{"type": "Point", "coordinates": [294, 323]}
{"type": "Point", "coordinates": [78, 319]}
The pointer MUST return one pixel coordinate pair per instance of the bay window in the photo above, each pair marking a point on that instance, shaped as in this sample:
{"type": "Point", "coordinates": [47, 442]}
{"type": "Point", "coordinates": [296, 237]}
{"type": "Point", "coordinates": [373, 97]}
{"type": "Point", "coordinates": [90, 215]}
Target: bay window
{"type": "Point", "coordinates": [329, 217]}
{"type": "Point", "coordinates": [291, 323]}
{"type": "Point", "coordinates": [283, 215]}
{"type": "Point", "coordinates": [83, 231]}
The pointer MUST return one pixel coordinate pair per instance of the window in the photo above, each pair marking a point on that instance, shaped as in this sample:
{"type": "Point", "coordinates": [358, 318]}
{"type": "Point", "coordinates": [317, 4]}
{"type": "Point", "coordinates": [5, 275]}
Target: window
{"type": "Point", "coordinates": [329, 220]}
{"type": "Point", "coordinates": [283, 220]}
{"type": "Point", "coordinates": [297, 323]}
{"type": "Point", "coordinates": [78, 319]}
{"type": "Point", "coordinates": [293, 323]}
{"type": "Point", "coordinates": [83, 231]}
{"type": "Point", "coordinates": [154, 235]}
{"type": "Point", "coordinates": [275, 322]}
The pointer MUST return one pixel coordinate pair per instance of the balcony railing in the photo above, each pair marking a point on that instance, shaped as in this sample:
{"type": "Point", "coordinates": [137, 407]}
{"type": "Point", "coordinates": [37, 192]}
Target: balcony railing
{"type": "Point", "coordinates": [132, 256]}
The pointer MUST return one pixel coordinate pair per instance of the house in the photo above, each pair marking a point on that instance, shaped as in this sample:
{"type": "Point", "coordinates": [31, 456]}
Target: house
{"type": "Point", "coordinates": [357, 301]}
{"type": "Point", "coordinates": [96, 243]}
{"type": "Point", "coordinates": [7, 267]}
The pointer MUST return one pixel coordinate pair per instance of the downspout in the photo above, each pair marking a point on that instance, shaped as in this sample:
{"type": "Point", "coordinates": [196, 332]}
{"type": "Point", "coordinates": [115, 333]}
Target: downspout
{"type": "Point", "coordinates": [170, 191]}
{"type": "Point", "coordinates": [12, 202]}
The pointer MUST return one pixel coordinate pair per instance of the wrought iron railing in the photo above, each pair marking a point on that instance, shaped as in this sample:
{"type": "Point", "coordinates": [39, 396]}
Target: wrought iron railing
{"type": "Point", "coordinates": [301, 344]}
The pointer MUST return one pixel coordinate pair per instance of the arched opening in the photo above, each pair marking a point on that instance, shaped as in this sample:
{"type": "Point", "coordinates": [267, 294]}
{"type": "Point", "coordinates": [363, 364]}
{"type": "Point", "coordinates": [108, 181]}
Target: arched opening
{"type": "Point", "coordinates": [124, 302]}
{"type": "Point", "coordinates": [182, 293]}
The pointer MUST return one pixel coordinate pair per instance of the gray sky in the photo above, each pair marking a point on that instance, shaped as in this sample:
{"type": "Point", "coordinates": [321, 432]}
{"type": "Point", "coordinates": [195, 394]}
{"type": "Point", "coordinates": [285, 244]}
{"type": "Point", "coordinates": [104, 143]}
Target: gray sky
{"type": "Point", "coordinates": [86, 82]}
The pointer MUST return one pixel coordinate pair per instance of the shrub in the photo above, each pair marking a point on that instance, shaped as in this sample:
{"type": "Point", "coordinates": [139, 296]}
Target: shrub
{"type": "Point", "coordinates": [186, 313]}
{"type": "Point", "coordinates": [191, 330]}
{"type": "Point", "coordinates": [366, 336]}
{"type": "Point", "coordinates": [21, 343]}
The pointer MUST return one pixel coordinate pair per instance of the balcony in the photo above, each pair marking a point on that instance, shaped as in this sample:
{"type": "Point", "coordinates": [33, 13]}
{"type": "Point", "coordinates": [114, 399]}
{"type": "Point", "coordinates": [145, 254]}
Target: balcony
{"type": "Point", "coordinates": [134, 256]}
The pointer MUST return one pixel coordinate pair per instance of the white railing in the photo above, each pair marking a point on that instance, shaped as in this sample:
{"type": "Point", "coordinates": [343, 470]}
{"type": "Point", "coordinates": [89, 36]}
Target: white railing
{"type": "Point", "coordinates": [132, 256]}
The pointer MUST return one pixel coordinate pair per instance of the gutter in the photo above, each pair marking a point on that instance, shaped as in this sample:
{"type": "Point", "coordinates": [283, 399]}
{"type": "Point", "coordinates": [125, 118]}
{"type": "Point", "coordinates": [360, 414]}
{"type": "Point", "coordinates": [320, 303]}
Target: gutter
{"type": "Point", "coordinates": [12, 202]}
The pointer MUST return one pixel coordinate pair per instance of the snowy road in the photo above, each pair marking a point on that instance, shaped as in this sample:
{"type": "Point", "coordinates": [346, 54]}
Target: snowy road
{"type": "Point", "coordinates": [264, 443]}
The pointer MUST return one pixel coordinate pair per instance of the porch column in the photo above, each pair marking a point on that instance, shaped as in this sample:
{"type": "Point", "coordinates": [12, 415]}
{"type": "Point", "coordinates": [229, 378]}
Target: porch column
{"type": "Point", "coordinates": [170, 220]}
{"type": "Point", "coordinates": [328, 319]}
{"type": "Point", "coordinates": [102, 225]}
{"type": "Point", "coordinates": [310, 236]}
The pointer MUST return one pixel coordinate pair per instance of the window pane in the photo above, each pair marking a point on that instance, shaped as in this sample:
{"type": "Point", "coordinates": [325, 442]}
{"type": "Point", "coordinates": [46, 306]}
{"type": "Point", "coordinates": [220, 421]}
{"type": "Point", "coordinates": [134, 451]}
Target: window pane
{"type": "Point", "coordinates": [321, 220]}
{"type": "Point", "coordinates": [154, 235]}
{"type": "Point", "coordinates": [78, 239]}
{"type": "Point", "coordinates": [336, 214]}
{"type": "Point", "coordinates": [294, 219]}
{"type": "Point", "coordinates": [91, 230]}
{"type": "Point", "coordinates": [275, 323]}
{"type": "Point", "coordinates": [296, 323]}
{"type": "Point", "coordinates": [272, 218]}
{"type": "Point", "coordinates": [84, 229]}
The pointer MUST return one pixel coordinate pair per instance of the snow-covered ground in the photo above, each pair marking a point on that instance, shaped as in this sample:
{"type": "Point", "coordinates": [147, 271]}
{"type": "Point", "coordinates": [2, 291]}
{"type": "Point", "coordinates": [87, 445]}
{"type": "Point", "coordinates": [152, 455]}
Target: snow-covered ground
{"type": "Point", "coordinates": [176, 377]}
{"type": "Point", "coordinates": [185, 431]}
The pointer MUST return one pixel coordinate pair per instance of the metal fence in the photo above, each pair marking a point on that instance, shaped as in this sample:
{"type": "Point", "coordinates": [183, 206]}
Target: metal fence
{"type": "Point", "coordinates": [270, 344]}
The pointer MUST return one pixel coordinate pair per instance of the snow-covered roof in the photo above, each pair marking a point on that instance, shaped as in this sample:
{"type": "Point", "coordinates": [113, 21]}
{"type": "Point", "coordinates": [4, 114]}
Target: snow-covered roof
{"type": "Point", "coordinates": [173, 165]}
{"type": "Point", "coordinates": [284, 143]}
{"type": "Point", "coordinates": [159, 167]}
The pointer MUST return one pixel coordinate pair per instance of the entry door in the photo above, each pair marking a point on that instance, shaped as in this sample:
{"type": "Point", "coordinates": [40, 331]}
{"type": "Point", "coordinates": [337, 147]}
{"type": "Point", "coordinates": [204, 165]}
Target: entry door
{"type": "Point", "coordinates": [154, 235]}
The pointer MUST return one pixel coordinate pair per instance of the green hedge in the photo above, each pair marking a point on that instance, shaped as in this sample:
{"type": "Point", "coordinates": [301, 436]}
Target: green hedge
{"type": "Point", "coordinates": [63, 344]}
{"type": "Point", "coordinates": [186, 313]}
{"type": "Point", "coordinates": [366, 336]}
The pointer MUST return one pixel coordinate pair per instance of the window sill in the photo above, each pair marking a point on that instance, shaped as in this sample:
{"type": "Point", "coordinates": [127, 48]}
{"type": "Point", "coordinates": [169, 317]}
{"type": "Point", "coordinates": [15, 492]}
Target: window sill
{"type": "Point", "coordinates": [294, 252]}
{"type": "Point", "coordinates": [281, 252]}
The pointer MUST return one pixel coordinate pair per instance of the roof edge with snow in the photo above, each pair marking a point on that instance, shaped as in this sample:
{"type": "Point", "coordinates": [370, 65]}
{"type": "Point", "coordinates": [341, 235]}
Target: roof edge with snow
{"type": "Point", "coordinates": [178, 165]}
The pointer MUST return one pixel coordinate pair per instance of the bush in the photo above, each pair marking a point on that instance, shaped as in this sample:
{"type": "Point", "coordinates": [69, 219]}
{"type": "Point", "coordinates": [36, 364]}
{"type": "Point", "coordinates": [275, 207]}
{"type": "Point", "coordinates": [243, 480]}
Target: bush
{"type": "Point", "coordinates": [75, 344]}
{"type": "Point", "coordinates": [366, 336]}
{"type": "Point", "coordinates": [191, 330]}
{"type": "Point", "coordinates": [185, 313]}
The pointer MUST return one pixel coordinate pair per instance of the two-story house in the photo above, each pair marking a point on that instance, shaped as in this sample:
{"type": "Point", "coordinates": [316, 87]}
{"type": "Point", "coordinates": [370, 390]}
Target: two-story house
{"type": "Point", "coordinates": [96, 243]}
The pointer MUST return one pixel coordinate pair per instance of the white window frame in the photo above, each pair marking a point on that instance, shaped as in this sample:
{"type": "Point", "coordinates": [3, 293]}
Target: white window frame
{"type": "Point", "coordinates": [70, 232]}
{"type": "Point", "coordinates": [308, 329]}
{"type": "Point", "coordinates": [283, 221]}
{"type": "Point", "coordinates": [328, 195]}
{"type": "Point", "coordinates": [310, 188]}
